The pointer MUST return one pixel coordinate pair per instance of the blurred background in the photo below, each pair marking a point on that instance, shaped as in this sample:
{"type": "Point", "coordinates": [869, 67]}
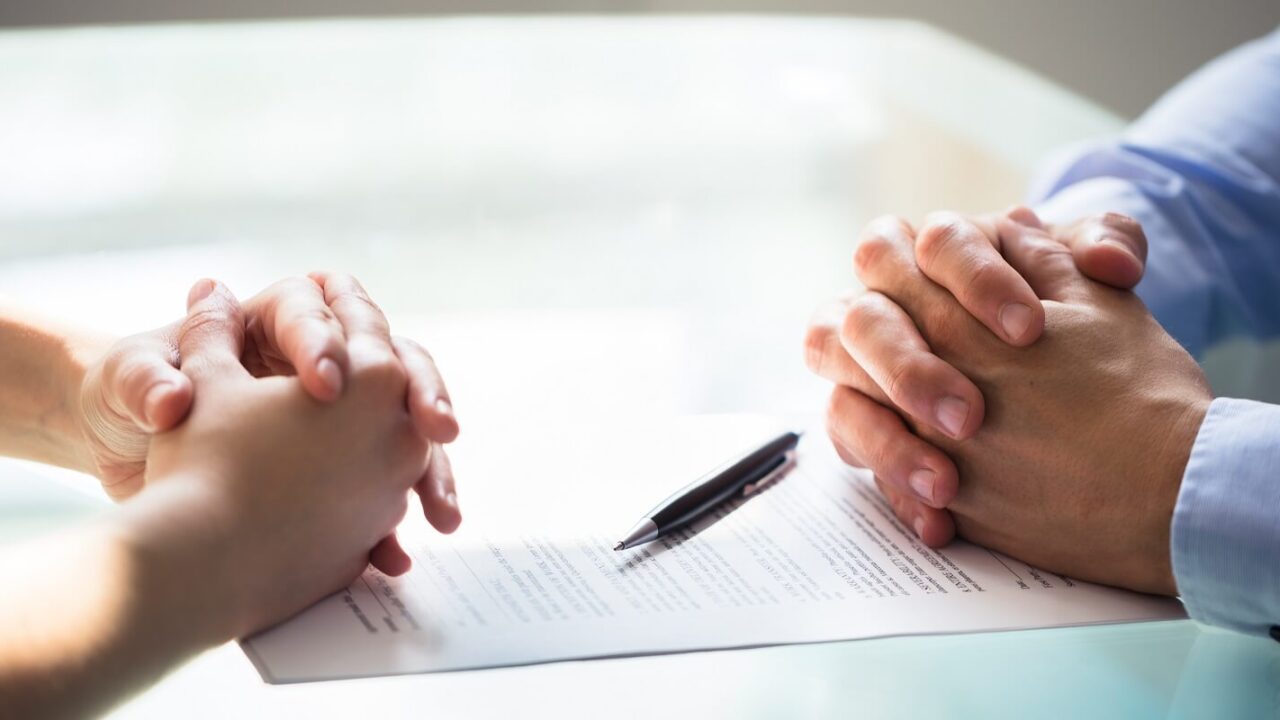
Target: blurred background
{"type": "Point", "coordinates": [645, 197]}
{"type": "Point", "coordinates": [1121, 53]}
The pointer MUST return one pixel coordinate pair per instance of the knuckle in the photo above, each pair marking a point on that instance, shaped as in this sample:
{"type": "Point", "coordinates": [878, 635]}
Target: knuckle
{"type": "Point", "coordinates": [293, 287]}
{"type": "Point", "coordinates": [320, 314]}
{"type": "Point", "coordinates": [837, 412]}
{"type": "Point", "coordinates": [1127, 226]}
{"type": "Point", "coordinates": [151, 347]}
{"type": "Point", "coordinates": [205, 319]}
{"type": "Point", "coordinates": [1049, 254]}
{"type": "Point", "coordinates": [901, 375]}
{"type": "Point", "coordinates": [409, 346]}
{"type": "Point", "coordinates": [816, 338]}
{"type": "Point", "coordinates": [133, 374]}
{"type": "Point", "coordinates": [834, 405]}
{"type": "Point", "coordinates": [347, 283]}
{"type": "Point", "coordinates": [940, 234]}
{"type": "Point", "coordinates": [280, 289]}
{"type": "Point", "coordinates": [881, 458]}
{"type": "Point", "coordinates": [1023, 215]}
{"type": "Point", "coordinates": [356, 302]}
{"type": "Point", "coordinates": [844, 453]}
{"type": "Point", "coordinates": [843, 427]}
{"type": "Point", "coordinates": [320, 278]}
{"type": "Point", "coordinates": [872, 249]}
{"type": "Point", "coordinates": [886, 225]}
{"type": "Point", "coordinates": [294, 283]}
{"type": "Point", "coordinates": [986, 279]}
{"type": "Point", "coordinates": [406, 343]}
{"type": "Point", "coordinates": [858, 322]}
{"type": "Point", "coordinates": [363, 301]}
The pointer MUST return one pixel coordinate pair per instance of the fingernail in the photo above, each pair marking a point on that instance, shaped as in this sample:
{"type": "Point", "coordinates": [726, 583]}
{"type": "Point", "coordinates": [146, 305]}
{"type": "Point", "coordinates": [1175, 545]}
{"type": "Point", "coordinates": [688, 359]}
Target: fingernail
{"type": "Point", "coordinates": [451, 500]}
{"type": "Point", "coordinates": [921, 481]}
{"type": "Point", "coordinates": [330, 373]}
{"type": "Point", "coordinates": [918, 524]}
{"type": "Point", "coordinates": [151, 404]}
{"type": "Point", "coordinates": [1116, 243]}
{"type": "Point", "coordinates": [1015, 318]}
{"type": "Point", "coordinates": [200, 291]}
{"type": "Point", "coordinates": [952, 412]}
{"type": "Point", "coordinates": [444, 407]}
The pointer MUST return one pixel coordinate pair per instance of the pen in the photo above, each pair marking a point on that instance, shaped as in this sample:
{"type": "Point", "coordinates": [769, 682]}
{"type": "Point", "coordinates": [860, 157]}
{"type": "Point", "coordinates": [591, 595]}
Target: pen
{"type": "Point", "coordinates": [743, 475]}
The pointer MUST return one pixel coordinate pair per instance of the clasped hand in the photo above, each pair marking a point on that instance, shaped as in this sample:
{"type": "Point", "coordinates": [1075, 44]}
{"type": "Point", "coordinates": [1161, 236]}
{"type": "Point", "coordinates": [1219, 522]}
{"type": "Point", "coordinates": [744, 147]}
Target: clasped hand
{"type": "Point", "coordinates": [276, 407]}
{"type": "Point", "coordinates": [1002, 383]}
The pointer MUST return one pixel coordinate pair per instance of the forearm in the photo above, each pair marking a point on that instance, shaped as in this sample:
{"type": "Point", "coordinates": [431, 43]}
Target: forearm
{"type": "Point", "coordinates": [41, 369]}
{"type": "Point", "coordinates": [104, 610]}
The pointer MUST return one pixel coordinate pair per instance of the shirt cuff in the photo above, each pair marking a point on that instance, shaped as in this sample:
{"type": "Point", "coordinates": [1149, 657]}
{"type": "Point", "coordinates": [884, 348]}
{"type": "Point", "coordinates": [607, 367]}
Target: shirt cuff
{"type": "Point", "coordinates": [1226, 525]}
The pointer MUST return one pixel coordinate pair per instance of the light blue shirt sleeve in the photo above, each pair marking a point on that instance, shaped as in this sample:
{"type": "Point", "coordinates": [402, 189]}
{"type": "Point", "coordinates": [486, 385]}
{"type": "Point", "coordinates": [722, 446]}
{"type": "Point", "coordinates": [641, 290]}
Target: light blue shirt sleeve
{"type": "Point", "coordinates": [1201, 171]}
{"type": "Point", "coordinates": [1226, 525]}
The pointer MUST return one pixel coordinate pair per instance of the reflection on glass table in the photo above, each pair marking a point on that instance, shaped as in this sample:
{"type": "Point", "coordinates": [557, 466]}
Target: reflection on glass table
{"type": "Point", "coordinates": [586, 218]}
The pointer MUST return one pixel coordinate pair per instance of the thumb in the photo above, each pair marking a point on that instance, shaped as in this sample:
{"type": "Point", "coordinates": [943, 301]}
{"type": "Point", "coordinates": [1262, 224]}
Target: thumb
{"type": "Point", "coordinates": [139, 379]}
{"type": "Point", "coordinates": [211, 338]}
{"type": "Point", "coordinates": [1047, 264]}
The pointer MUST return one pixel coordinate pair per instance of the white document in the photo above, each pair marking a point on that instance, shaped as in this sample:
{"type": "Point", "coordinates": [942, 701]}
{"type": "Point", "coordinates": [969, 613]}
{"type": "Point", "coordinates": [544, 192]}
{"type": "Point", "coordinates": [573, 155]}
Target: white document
{"type": "Point", "coordinates": [817, 556]}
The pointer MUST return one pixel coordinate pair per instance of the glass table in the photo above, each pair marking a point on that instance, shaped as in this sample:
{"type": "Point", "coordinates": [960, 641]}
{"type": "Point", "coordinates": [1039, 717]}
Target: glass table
{"type": "Point", "coordinates": [615, 219]}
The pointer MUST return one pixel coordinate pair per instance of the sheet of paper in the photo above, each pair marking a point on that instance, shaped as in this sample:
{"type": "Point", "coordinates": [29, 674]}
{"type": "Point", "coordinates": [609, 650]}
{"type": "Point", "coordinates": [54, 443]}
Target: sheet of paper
{"type": "Point", "coordinates": [817, 556]}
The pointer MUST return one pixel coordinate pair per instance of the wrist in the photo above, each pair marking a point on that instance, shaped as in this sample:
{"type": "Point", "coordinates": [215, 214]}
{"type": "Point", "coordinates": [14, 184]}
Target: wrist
{"type": "Point", "coordinates": [78, 356]}
{"type": "Point", "coordinates": [42, 367]}
{"type": "Point", "coordinates": [1170, 463]}
{"type": "Point", "coordinates": [178, 544]}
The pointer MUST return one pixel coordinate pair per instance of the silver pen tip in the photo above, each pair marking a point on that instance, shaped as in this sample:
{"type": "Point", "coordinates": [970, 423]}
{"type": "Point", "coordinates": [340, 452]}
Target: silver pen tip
{"type": "Point", "coordinates": [619, 546]}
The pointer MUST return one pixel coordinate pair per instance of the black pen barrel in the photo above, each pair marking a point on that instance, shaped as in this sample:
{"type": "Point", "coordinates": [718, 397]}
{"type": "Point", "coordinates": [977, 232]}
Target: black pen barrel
{"type": "Point", "coordinates": [722, 483]}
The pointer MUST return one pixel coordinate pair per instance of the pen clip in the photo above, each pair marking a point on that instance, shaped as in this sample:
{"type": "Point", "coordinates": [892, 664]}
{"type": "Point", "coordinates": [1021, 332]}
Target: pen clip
{"type": "Point", "coordinates": [788, 462]}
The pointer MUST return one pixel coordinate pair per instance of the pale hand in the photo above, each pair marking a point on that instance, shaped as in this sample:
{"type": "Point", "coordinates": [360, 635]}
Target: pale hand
{"type": "Point", "coordinates": [135, 389]}
{"type": "Point", "coordinates": [284, 498]}
{"type": "Point", "coordinates": [298, 326]}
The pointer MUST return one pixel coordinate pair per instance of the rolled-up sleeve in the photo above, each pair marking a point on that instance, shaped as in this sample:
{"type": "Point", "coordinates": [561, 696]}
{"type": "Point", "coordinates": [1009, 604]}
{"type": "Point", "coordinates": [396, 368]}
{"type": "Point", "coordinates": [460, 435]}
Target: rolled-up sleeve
{"type": "Point", "coordinates": [1226, 525]}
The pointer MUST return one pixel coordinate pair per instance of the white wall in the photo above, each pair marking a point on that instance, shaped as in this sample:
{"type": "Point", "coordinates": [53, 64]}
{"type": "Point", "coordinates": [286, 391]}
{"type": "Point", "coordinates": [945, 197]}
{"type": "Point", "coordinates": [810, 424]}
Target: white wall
{"type": "Point", "coordinates": [1122, 53]}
